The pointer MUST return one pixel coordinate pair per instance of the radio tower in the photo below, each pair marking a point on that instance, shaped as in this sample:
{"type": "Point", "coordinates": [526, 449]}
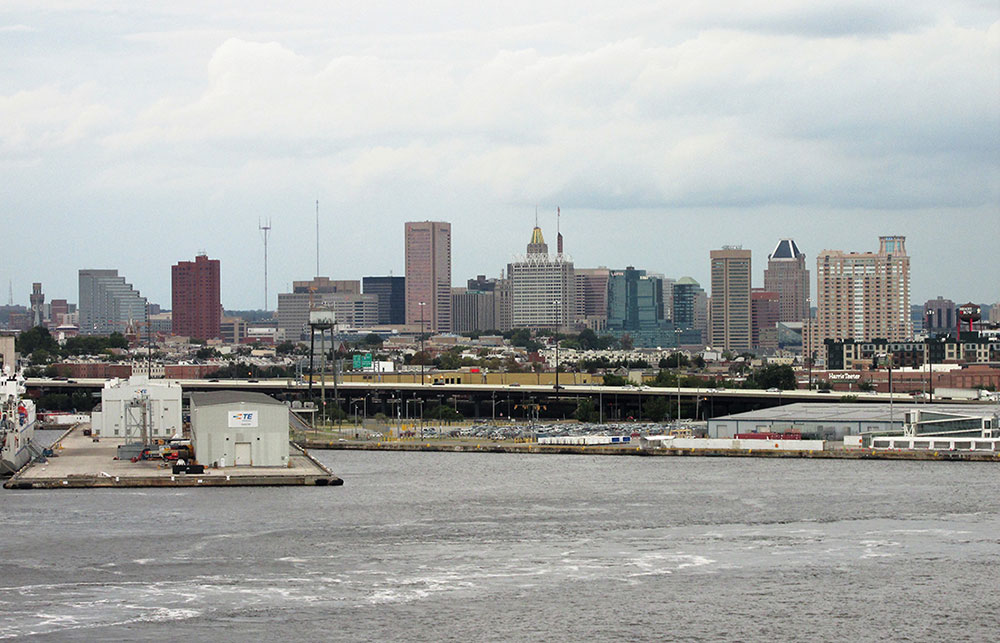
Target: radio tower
{"type": "Point", "coordinates": [317, 237]}
{"type": "Point", "coordinates": [265, 229]}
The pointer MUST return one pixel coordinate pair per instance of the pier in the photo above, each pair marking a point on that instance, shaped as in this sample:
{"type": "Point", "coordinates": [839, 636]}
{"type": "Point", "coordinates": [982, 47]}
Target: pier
{"type": "Point", "coordinates": [81, 462]}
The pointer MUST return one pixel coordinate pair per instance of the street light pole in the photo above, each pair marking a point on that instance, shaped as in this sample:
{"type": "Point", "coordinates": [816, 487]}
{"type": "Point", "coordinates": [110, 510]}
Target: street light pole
{"type": "Point", "coordinates": [422, 356]}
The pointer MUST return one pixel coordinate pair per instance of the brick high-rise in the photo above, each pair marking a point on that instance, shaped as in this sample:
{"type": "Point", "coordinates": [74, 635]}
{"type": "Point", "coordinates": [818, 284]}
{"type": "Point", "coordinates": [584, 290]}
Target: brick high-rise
{"type": "Point", "coordinates": [786, 274]}
{"type": "Point", "coordinates": [195, 299]}
{"type": "Point", "coordinates": [863, 295]}
{"type": "Point", "coordinates": [428, 275]}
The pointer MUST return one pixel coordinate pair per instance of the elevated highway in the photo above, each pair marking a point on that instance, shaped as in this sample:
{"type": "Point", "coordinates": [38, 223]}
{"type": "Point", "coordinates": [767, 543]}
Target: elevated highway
{"type": "Point", "coordinates": [502, 400]}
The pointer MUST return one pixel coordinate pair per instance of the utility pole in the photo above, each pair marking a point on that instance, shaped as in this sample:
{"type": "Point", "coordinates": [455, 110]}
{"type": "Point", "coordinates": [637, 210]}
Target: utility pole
{"type": "Point", "coordinates": [422, 355]}
{"type": "Point", "coordinates": [265, 229]}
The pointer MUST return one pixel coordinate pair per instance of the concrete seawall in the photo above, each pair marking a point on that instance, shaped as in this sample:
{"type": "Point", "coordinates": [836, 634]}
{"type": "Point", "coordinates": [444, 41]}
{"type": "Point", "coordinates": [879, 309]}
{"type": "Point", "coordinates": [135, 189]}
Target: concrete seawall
{"type": "Point", "coordinates": [499, 447]}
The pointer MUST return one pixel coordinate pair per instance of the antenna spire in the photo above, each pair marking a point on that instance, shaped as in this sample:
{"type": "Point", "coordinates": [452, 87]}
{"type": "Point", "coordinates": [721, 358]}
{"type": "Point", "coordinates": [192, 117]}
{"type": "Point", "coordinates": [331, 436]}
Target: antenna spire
{"type": "Point", "coordinates": [317, 237]}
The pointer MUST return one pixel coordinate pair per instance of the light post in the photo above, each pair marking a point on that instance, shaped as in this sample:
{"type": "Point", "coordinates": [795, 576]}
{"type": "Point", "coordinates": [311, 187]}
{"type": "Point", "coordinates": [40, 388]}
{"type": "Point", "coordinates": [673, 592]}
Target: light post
{"type": "Point", "coordinates": [930, 360]}
{"type": "Point", "coordinates": [422, 356]}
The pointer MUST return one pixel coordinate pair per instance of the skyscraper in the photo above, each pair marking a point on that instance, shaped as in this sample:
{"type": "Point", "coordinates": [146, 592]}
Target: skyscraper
{"type": "Point", "coordinates": [864, 295]}
{"type": "Point", "coordinates": [592, 296]}
{"type": "Point", "coordinates": [196, 304]}
{"type": "Point", "coordinates": [786, 275]}
{"type": "Point", "coordinates": [391, 293]}
{"type": "Point", "coordinates": [107, 303]}
{"type": "Point", "coordinates": [542, 287]}
{"type": "Point", "coordinates": [691, 308]}
{"type": "Point", "coordinates": [428, 275]}
{"type": "Point", "coordinates": [731, 319]}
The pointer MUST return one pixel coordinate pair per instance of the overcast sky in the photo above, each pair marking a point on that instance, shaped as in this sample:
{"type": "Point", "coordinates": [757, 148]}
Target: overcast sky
{"type": "Point", "coordinates": [134, 135]}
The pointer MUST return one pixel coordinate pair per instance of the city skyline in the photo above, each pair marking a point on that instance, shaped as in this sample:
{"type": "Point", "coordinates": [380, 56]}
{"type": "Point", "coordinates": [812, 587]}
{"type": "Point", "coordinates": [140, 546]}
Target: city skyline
{"type": "Point", "coordinates": [144, 134]}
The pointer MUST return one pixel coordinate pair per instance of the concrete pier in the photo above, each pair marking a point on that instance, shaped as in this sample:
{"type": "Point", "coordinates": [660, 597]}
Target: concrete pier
{"type": "Point", "coordinates": [486, 446]}
{"type": "Point", "coordinates": [81, 462]}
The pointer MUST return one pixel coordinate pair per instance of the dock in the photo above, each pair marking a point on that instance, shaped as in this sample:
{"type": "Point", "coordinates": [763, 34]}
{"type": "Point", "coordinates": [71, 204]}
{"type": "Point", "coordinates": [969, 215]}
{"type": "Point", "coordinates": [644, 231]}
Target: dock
{"type": "Point", "coordinates": [484, 446]}
{"type": "Point", "coordinates": [81, 462]}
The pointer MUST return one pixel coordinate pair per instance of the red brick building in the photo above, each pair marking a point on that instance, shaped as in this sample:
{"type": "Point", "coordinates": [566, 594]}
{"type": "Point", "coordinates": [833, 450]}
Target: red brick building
{"type": "Point", "coordinates": [196, 303]}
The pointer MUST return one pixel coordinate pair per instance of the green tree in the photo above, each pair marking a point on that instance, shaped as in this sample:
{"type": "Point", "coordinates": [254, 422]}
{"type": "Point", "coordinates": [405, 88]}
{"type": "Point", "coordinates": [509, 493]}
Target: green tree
{"type": "Point", "coordinates": [656, 408]}
{"type": "Point", "coordinates": [779, 376]}
{"type": "Point", "coordinates": [585, 411]}
{"type": "Point", "coordinates": [206, 352]}
{"type": "Point", "coordinates": [34, 339]}
{"type": "Point", "coordinates": [615, 380]}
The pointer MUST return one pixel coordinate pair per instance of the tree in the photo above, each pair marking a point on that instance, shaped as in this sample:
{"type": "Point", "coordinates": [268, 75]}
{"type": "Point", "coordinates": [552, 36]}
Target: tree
{"type": "Point", "coordinates": [866, 385]}
{"type": "Point", "coordinates": [585, 411]}
{"type": "Point", "coordinates": [206, 352]}
{"type": "Point", "coordinates": [284, 348]}
{"type": "Point", "coordinates": [627, 342]}
{"type": "Point", "coordinates": [373, 339]}
{"type": "Point", "coordinates": [779, 376]}
{"type": "Point", "coordinates": [656, 408]}
{"type": "Point", "coordinates": [615, 380]}
{"type": "Point", "coordinates": [675, 360]}
{"type": "Point", "coordinates": [34, 339]}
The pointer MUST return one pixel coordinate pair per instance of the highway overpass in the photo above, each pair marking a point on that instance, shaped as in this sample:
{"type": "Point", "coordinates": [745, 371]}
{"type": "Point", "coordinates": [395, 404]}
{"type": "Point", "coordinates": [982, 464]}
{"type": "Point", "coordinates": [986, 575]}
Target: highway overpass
{"type": "Point", "coordinates": [501, 400]}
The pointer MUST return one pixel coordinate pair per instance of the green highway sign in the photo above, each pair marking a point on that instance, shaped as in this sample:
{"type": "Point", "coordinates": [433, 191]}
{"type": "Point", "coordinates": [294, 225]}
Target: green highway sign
{"type": "Point", "coordinates": [363, 361]}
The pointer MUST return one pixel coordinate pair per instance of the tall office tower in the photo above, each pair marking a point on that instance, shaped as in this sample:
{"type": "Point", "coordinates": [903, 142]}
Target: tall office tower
{"type": "Point", "coordinates": [428, 275]}
{"type": "Point", "coordinates": [473, 310]}
{"type": "Point", "coordinates": [391, 293]}
{"type": "Point", "coordinates": [765, 311]}
{"type": "Point", "coordinates": [107, 303]}
{"type": "Point", "coordinates": [592, 297]}
{"type": "Point", "coordinates": [786, 274]}
{"type": "Point", "coordinates": [351, 309]}
{"type": "Point", "coordinates": [690, 308]}
{"type": "Point", "coordinates": [542, 287]}
{"type": "Point", "coordinates": [635, 308]}
{"type": "Point", "coordinates": [940, 316]}
{"type": "Point", "coordinates": [196, 304]}
{"type": "Point", "coordinates": [863, 295]}
{"type": "Point", "coordinates": [37, 299]}
{"type": "Point", "coordinates": [731, 322]}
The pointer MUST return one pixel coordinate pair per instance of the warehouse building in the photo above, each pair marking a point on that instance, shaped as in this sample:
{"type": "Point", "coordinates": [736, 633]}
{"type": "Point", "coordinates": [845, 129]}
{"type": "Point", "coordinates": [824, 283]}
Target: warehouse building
{"type": "Point", "coordinates": [234, 428]}
{"type": "Point", "coordinates": [833, 421]}
{"type": "Point", "coordinates": [125, 402]}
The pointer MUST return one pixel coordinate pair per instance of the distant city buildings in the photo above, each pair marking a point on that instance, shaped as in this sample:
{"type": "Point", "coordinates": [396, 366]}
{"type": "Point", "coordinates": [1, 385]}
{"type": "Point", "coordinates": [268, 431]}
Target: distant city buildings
{"type": "Point", "coordinates": [592, 297]}
{"type": "Point", "coordinates": [107, 303]}
{"type": "Point", "coordinates": [196, 305]}
{"type": "Point", "coordinates": [428, 275]}
{"type": "Point", "coordinates": [391, 293]}
{"type": "Point", "coordinates": [940, 316]}
{"type": "Point", "coordinates": [863, 296]}
{"type": "Point", "coordinates": [730, 305]}
{"type": "Point", "coordinates": [350, 307]}
{"type": "Point", "coordinates": [765, 313]}
{"type": "Point", "coordinates": [786, 275]}
{"type": "Point", "coordinates": [473, 310]}
{"type": "Point", "coordinates": [690, 308]}
{"type": "Point", "coordinates": [635, 309]}
{"type": "Point", "coordinates": [543, 288]}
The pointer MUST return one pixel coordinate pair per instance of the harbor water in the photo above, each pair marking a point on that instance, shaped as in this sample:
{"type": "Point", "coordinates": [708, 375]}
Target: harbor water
{"type": "Point", "coordinates": [498, 547]}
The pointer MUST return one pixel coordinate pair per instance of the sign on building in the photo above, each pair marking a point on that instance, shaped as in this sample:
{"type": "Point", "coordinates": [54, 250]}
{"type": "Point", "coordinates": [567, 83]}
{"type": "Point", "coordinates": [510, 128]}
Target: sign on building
{"type": "Point", "coordinates": [239, 419]}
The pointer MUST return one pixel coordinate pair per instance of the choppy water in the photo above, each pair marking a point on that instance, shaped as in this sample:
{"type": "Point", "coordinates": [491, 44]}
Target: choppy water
{"type": "Point", "coordinates": [464, 547]}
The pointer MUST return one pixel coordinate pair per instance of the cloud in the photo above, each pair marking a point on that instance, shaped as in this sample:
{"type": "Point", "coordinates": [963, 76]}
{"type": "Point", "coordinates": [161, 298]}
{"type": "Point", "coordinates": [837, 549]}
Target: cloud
{"type": "Point", "coordinates": [17, 29]}
{"type": "Point", "coordinates": [47, 118]}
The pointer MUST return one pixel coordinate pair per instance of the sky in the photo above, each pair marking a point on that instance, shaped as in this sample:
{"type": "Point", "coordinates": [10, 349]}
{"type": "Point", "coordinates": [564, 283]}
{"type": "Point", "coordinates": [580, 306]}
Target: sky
{"type": "Point", "coordinates": [135, 135]}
